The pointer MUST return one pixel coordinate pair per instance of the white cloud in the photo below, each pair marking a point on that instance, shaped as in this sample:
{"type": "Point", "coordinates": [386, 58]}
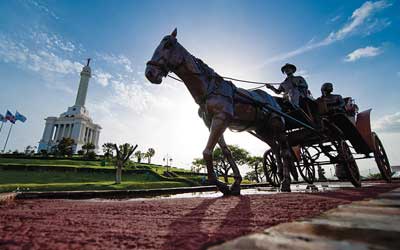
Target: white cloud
{"type": "Point", "coordinates": [52, 41]}
{"type": "Point", "coordinates": [103, 78]}
{"type": "Point", "coordinates": [42, 61]}
{"type": "Point", "coordinates": [358, 18]}
{"type": "Point", "coordinates": [388, 123]}
{"type": "Point", "coordinates": [47, 61]}
{"type": "Point", "coordinates": [361, 16]}
{"type": "Point", "coordinates": [43, 8]}
{"type": "Point", "coordinates": [335, 18]}
{"type": "Point", "coordinates": [368, 51]}
{"type": "Point", "coordinates": [134, 96]}
{"type": "Point", "coordinates": [117, 60]}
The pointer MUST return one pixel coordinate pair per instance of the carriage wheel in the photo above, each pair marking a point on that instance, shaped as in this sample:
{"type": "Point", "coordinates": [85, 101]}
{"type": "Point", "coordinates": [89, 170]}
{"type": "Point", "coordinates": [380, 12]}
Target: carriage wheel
{"type": "Point", "coordinates": [271, 166]}
{"type": "Point", "coordinates": [381, 159]}
{"type": "Point", "coordinates": [349, 163]}
{"type": "Point", "coordinates": [307, 166]}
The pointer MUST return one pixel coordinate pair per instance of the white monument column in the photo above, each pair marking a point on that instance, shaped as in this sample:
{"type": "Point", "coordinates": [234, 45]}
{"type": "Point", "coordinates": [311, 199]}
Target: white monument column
{"type": "Point", "coordinates": [75, 123]}
{"type": "Point", "coordinates": [83, 85]}
{"type": "Point", "coordinates": [49, 129]}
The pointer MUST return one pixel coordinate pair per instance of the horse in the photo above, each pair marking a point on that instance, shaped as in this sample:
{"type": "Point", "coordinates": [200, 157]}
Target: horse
{"type": "Point", "coordinates": [222, 105]}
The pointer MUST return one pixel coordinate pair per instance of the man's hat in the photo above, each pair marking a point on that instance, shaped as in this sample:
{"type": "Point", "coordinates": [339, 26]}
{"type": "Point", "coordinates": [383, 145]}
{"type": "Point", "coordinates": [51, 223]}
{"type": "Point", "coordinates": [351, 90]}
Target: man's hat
{"type": "Point", "coordinates": [288, 65]}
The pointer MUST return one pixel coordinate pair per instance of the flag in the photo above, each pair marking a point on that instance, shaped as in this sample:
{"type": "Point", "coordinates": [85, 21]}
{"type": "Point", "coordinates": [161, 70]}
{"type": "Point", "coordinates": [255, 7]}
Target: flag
{"type": "Point", "coordinates": [10, 117]}
{"type": "Point", "coordinates": [19, 117]}
{"type": "Point", "coordinates": [2, 118]}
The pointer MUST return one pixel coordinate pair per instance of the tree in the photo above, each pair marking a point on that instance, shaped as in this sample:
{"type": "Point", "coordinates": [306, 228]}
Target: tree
{"type": "Point", "coordinates": [123, 153]}
{"type": "Point", "coordinates": [255, 163]}
{"type": "Point", "coordinates": [198, 164]}
{"type": "Point", "coordinates": [149, 154]}
{"type": "Point", "coordinates": [64, 147]}
{"type": "Point", "coordinates": [89, 147]}
{"type": "Point", "coordinates": [222, 166]}
{"type": "Point", "coordinates": [30, 150]}
{"type": "Point", "coordinates": [108, 149]}
{"type": "Point", "coordinates": [139, 155]}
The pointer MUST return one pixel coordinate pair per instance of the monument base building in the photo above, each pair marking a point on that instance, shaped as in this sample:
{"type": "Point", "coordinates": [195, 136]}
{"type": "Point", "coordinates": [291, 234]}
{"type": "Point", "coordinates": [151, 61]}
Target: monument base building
{"type": "Point", "coordinates": [75, 123]}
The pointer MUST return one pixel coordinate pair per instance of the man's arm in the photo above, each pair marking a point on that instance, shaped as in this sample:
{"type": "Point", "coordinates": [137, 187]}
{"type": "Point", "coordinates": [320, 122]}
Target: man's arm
{"type": "Point", "coordinates": [276, 90]}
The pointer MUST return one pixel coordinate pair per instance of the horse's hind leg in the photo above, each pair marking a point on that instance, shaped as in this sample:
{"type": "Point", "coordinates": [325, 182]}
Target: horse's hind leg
{"type": "Point", "coordinates": [235, 188]}
{"type": "Point", "coordinates": [218, 125]}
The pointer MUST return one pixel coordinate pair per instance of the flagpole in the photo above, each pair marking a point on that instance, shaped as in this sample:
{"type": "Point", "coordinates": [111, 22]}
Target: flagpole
{"type": "Point", "coordinates": [2, 123]}
{"type": "Point", "coordinates": [9, 132]}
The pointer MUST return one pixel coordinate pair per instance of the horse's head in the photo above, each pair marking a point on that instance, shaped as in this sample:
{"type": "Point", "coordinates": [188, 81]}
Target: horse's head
{"type": "Point", "coordinates": [165, 59]}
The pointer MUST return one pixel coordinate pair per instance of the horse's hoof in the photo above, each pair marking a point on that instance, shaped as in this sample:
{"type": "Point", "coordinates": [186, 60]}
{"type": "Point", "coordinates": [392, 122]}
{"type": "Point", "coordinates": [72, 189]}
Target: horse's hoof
{"type": "Point", "coordinates": [223, 188]}
{"type": "Point", "coordinates": [235, 189]}
{"type": "Point", "coordinates": [285, 189]}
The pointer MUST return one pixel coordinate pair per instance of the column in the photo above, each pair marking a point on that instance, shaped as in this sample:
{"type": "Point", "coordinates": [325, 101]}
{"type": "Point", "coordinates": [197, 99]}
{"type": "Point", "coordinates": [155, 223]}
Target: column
{"type": "Point", "coordinates": [90, 135]}
{"type": "Point", "coordinates": [55, 131]}
{"type": "Point", "coordinates": [97, 139]}
{"type": "Point", "coordinates": [70, 130]}
{"type": "Point", "coordinates": [61, 134]}
{"type": "Point", "coordinates": [59, 128]}
{"type": "Point", "coordinates": [81, 132]}
{"type": "Point", "coordinates": [86, 135]}
{"type": "Point", "coordinates": [83, 85]}
{"type": "Point", "coordinates": [48, 130]}
{"type": "Point", "coordinates": [65, 134]}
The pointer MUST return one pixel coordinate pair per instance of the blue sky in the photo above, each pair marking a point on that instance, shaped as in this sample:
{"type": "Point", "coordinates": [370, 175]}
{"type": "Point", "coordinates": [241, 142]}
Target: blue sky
{"type": "Point", "coordinates": [43, 44]}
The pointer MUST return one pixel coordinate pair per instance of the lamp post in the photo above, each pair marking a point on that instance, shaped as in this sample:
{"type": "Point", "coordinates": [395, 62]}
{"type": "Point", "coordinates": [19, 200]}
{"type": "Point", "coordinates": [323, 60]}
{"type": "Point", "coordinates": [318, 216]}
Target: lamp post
{"type": "Point", "coordinates": [168, 160]}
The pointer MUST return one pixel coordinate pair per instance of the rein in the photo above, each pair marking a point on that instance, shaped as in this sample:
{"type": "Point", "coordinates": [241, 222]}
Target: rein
{"type": "Point", "coordinates": [229, 78]}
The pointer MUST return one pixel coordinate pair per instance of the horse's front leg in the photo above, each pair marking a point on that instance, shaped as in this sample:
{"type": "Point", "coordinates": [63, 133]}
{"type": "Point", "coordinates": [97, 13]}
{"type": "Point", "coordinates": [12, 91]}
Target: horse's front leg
{"type": "Point", "coordinates": [235, 188]}
{"type": "Point", "coordinates": [218, 125]}
{"type": "Point", "coordinates": [284, 154]}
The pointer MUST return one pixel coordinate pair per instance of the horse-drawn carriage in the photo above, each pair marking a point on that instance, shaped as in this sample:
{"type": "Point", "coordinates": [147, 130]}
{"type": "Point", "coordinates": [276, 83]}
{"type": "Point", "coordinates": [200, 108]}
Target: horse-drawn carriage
{"type": "Point", "coordinates": [298, 137]}
{"type": "Point", "coordinates": [338, 138]}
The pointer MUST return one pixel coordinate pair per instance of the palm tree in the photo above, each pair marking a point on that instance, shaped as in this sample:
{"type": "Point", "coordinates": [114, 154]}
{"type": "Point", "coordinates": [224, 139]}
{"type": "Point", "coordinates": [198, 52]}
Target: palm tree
{"type": "Point", "coordinates": [138, 156]}
{"type": "Point", "coordinates": [149, 154]}
{"type": "Point", "coordinates": [123, 152]}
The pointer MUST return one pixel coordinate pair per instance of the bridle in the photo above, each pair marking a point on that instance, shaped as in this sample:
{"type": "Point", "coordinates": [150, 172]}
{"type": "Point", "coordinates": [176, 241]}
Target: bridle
{"type": "Point", "coordinates": [161, 66]}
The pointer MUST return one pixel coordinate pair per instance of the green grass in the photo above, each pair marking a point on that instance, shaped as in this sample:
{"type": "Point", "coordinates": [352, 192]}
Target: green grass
{"type": "Point", "coordinates": [126, 185]}
{"type": "Point", "coordinates": [51, 162]}
{"type": "Point", "coordinates": [54, 181]}
{"type": "Point", "coordinates": [83, 163]}
{"type": "Point", "coordinates": [48, 180]}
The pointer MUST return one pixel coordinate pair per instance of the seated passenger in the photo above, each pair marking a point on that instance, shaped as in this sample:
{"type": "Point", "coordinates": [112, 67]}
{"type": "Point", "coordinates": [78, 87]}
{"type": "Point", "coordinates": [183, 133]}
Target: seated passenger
{"type": "Point", "coordinates": [334, 103]}
{"type": "Point", "coordinates": [351, 108]}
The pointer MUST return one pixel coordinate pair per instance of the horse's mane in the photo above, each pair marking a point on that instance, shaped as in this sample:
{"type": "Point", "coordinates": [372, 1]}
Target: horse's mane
{"type": "Point", "coordinates": [205, 68]}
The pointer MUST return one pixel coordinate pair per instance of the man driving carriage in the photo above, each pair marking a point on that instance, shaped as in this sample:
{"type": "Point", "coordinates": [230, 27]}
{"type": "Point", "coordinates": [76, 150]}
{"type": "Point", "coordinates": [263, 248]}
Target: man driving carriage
{"type": "Point", "coordinates": [293, 87]}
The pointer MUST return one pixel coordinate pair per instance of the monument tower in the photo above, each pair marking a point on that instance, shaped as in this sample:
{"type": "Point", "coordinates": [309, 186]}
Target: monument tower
{"type": "Point", "coordinates": [75, 123]}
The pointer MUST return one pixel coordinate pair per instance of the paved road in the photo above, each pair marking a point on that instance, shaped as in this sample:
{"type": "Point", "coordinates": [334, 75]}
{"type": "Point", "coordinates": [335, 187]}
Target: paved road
{"type": "Point", "coordinates": [181, 223]}
{"type": "Point", "coordinates": [372, 224]}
